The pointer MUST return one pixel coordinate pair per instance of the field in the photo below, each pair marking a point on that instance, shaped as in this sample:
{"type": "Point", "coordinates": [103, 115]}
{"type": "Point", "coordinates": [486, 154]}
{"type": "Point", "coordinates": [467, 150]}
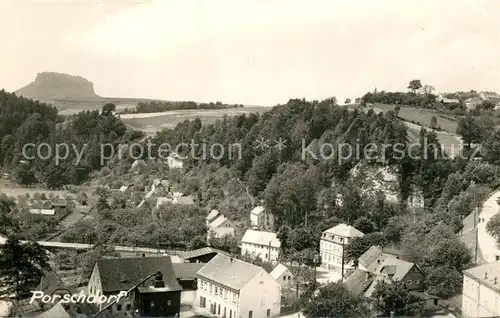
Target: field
{"type": "Point", "coordinates": [153, 122]}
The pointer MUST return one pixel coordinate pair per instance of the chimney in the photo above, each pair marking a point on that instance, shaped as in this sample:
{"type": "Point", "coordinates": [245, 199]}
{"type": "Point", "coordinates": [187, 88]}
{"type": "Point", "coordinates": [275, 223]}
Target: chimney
{"type": "Point", "coordinates": [495, 281]}
{"type": "Point", "coordinates": [367, 276]}
{"type": "Point", "coordinates": [231, 259]}
{"type": "Point", "coordinates": [143, 255]}
{"type": "Point", "coordinates": [485, 275]}
{"type": "Point", "coordinates": [159, 283]}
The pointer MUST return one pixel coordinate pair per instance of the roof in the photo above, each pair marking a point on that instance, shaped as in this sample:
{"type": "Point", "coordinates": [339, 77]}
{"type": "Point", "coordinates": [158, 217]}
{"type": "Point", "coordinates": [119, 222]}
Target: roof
{"type": "Point", "coordinates": [149, 194]}
{"type": "Point", "coordinates": [396, 267]}
{"type": "Point", "coordinates": [257, 210]}
{"type": "Point", "coordinates": [278, 271]}
{"type": "Point", "coordinates": [218, 221]}
{"type": "Point", "coordinates": [138, 162]}
{"type": "Point", "coordinates": [486, 274]}
{"type": "Point", "coordinates": [57, 311]}
{"type": "Point", "coordinates": [370, 256]}
{"type": "Point", "coordinates": [123, 188]}
{"type": "Point", "coordinates": [473, 99]}
{"type": "Point", "coordinates": [261, 238]}
{"type": "Point", "coordinates": [43, 211]}
{"type": "Point", "coordinates": [223, 231]}
{"type": "Point", "coordinates": [359, 281]}
{"type": "Point", "coordinates": [50, 283]}
{"type": "Point", "coordinates": [230, 272]}
{"type": "Point", "coordinates": [344, 230]}
{"type": "Point", "coordinates": [141, 203]}
{"type": "Point", "coordinates": [212, 215]}
{"type": "Point", "coordinates": [201, 252]}
{"type": "Point", "coordinates": [422, 295]}
{"type": "Point", "coordinates": [393, 251]}
{"type": "Point", "coordinates": [187, 200]}
{"type": "Point", "coordinates": [186, 270]}
{"type": "Point", "coordinates": [119, 274]}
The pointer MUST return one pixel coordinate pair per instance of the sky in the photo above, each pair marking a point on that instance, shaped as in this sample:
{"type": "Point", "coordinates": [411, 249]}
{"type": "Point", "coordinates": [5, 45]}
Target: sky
{"type": "Point", "coordinates": [260, 52]}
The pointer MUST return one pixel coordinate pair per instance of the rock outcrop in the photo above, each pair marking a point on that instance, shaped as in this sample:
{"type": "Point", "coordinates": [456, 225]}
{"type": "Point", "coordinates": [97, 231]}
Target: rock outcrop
{"type": "Point", "coordinates": [58, 86]}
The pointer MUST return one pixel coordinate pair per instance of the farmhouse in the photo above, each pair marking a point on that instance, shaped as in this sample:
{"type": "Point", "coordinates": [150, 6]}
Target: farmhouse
{"type": "Point", "coordinates": [264, 245]}
{"type": "Point", "coordinates": [161, 293]}
{"type": "Point", "coordinates": [229, 287]}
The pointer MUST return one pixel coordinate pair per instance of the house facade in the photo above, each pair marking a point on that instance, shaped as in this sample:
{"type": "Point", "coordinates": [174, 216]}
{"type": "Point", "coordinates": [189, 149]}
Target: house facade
{"type": "Point", "coordinates": [332, 244]}
{"type": "Point", "coordinates": [113, 275]}
{"type": "Point", "coordinates": [283, 276]}
{"type": "Point", "coordinates": [262, 244]}
{"type": "Point", "coordinates": [220, 227]}
{"type": "Point", "coordinates": [261, 219]}
{"type": "Point", "coordinates": [232, 288]}
{"type": "Point", "coordinates": [481, 291]}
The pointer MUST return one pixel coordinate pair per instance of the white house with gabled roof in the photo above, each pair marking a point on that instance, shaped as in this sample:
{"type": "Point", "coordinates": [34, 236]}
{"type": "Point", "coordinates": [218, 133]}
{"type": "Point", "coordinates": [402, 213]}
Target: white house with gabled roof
{"type": "Point", "coordinates": [231, 288]}
{"type": "Point", "coordinates": [261, 219]}
{"type": "Point", "coordinates": [262, 244]}
{"type": "Point", "coordinates": [282, 275]}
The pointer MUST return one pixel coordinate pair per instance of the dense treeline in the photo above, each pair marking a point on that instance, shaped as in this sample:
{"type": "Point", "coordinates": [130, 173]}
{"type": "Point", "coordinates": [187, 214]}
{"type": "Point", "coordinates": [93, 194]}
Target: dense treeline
{"type": "Point", "coordinates": [163, 106]}
{"type": "Point", "coordinates": [401, 98]}
{"type": "Point", "coordinates": [26, 124]}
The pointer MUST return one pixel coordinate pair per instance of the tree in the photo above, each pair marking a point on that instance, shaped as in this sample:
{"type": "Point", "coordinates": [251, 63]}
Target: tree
{"type": "Point", "coordinates": [347, 101]}
{"type": "Point", "coordinates": [108, 109]}
{"type": "Point", "coordinates": [358, 245]}
{"type": "Point", "coordinates": [394, 297]}
{"type": "Point", "coordinates": [434, 122]}
{"type": "Point", "coordinates": [21, 266]}
{"type": "Point", "coordinates": [415, 85]}
{"type": "Point", "coordinates": [469, 129]}
{"type": "Point", "coordinates": [334, 300]}
{"type": "Point", "coordinates": [493, 227]}
{"type": "Point", "coordinates": [443, 281]}
{"type": "Point", "coordinates": [428, 89]}
{"type": "Point", "coordinates": [364, 225]}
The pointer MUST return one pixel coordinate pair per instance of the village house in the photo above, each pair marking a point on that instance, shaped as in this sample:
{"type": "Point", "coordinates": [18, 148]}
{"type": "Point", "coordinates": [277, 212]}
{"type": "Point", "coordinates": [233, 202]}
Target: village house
{"type": "Point", "coordinates": [481, 291]}
{"type": "Point", "coordinates": [472, 103]}
{"type": "Point", "coordinates": [264, 245]}
{"type": "Point", "coordinates": [219, 226]}
{"type": "Point", "coordinates": [332, 245]}
{"type": "Point", "coordinates": [231, 288]}
{"type": "Point", "coordinates": [46, 212]}
{"type": "Point", "coordinates": [174, 161]}
{"type": "Point", "coordinates": [440, 98]}
{"type": "Point", "coordinates": [261, 219]}
{"type": "Point", "coordinates": [381, 264]}
{"type": "Point", "coordinates": [183, 200]}
{"type": "Point", "coordinates": [491, 97]}
{"type": "Point", "coordinates": [282, 275]}
{"type": "Point", "coordinates": [112, 275]}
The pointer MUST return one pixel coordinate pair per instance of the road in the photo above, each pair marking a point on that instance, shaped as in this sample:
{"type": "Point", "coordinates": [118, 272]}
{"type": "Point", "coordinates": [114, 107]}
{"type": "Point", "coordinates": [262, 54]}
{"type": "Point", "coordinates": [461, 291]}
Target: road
{"type": "Point", "coordinates": [487, 244]}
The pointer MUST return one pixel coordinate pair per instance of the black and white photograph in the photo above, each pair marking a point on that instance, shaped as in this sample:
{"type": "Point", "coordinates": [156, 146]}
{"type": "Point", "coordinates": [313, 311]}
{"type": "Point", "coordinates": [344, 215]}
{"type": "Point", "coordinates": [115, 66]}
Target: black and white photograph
{"type": "Point", "coordinates": [250, 158]}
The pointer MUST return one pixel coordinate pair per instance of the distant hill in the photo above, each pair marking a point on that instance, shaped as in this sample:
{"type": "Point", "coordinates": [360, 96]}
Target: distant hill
{"type": "Point", "coordinates": [58, 86]}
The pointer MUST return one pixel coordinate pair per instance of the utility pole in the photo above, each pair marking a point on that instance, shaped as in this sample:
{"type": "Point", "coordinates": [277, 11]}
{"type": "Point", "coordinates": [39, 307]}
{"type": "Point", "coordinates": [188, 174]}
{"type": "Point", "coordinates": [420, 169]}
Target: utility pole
{"type": "Point", "coordinates": [476, 229]}
{"type": "Point", "coordinates": [342, 272]}
{"type": "Point", "coordinates": [269, 251]}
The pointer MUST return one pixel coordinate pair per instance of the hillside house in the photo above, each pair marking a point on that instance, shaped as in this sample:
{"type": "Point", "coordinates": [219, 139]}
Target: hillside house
{"type": "Point", "coordinates": [137, 164]}
{"type": "Point", "coordinates": [378, 264]}
{"type": "Point", "coordinates": [332, 245]}
{"type": "Point", "coordinates": [220, 227]}
{"type": "Point", "coordinates": [183, 200]}
{"type": "Point", "coordinates": [440, 98]}
{"type": "Point", "coordinates": [162, 201]}
{"type": "Point", "coordinates": [174, 161]}
{"type": "Point", "coordinates": [229, 287]}
{"type": "Point", "coordinates": [473, 102]}
{"type": "Point", "coordinates": [261, 219]}
{"type": "Point", "coordinates": [211, 217]}
{"type": "Point", "coordinates": [45, 212]}
{"type": "Point", "coordinates": [481, 291]}
{"type": "Point", "coordinates": [112, 275]}
{"type": "Point", "coordinates": [491, 97]}
{"type": "Point", "coordinates": [282, 275]}
{"type": "Point", "coordinates": [262, 244]}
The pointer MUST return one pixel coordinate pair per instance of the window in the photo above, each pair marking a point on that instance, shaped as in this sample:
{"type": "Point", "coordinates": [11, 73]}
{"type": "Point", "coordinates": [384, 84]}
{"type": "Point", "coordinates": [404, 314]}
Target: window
{"type": "Point", "coordinates": [288, 277]}
{"type": "Point", "coordinates": [210, 287]}
{"type": "Point", "coordinates": [118, 307]}
{"type": "Point", "coordinates": [169, 302]}
{"type": "Point", "coordinates": [269, 313]}
{"type": "Point", "coordinates": [284, 277]}
{"type": "Point", "coordinates": [409, 282]}
{"type": "Point", "coordinates": [128, 307]}
{"type": "Point", "coordinates": [250, 313]}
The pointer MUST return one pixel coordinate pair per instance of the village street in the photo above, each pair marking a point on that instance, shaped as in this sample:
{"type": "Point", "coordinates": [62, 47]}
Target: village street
{"type": "Point", "coordinates": [487, 244]}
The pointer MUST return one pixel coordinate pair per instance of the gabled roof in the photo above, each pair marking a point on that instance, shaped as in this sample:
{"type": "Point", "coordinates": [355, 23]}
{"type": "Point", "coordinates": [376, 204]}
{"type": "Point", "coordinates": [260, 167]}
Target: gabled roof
{"type": "Point", "coordinates": [218, 221]}
{"type": "Point", "coordinates": [123, 188]}
{"type": "Point", "coordinates": [141, 204]}
{"type": "Point", "coordinates": [230, 272]}
{"type": "Point", "coordinates": [187, 200]}
{"type": "Point", "coordinates": [486, 274]}
{"type": "Point", "coordinates": [149, 194]}
{"type": "Point", "coordinates": [186, 270]}
{"type": "Point", "coordinates": [359, 281]}
{"type": "Point", "coordinates": [119, 274]}
{"type": "Point", "coordinates": [212, 215]}
{"type": "Point", "coordinates": [344, 230]}
{"type": "Point", "coordinates": [370, 256]}
{"type": "Point", "coordinates": [57, 311]}
{"type": "Point", "coordinates": [51, 283]}
{"type": "Point", "coordinates": [261, 238]}
{"type": "Point", "coordinates": [278, 271]}
{"type": "Point", "coordinates": [200, 252]}
{"type": "Point", "coordinates": [257, 210]}
{"type": "Point", "coordinates": [396, 267]}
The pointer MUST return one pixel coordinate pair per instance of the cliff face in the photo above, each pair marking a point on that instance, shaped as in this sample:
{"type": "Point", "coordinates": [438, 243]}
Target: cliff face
{"type": "Point", "coordinates": [48, 85]}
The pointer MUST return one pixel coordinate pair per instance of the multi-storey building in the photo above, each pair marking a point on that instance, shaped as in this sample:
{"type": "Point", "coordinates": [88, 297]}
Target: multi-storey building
{"type": "Point", "coordinates": [232, 288]}
{"type": "Point", "coordinates": [332, 244]}
{"type": "Point", "coordinates": [262, 219]}
{"type": "Point", "coordinates": [481, 291]}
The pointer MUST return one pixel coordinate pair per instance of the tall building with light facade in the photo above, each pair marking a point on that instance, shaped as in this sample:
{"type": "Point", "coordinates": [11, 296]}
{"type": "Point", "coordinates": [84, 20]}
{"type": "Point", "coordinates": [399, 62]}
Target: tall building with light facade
{"type": "Point", "coordinates": [481, 291]}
